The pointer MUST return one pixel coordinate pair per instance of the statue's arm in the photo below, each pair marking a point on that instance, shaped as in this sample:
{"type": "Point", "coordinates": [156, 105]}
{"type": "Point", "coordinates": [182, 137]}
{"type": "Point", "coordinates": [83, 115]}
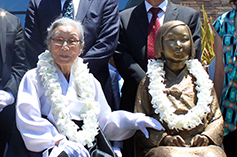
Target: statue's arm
{"type": "Point", "coordinates": [214, 129]}
{"type": "Point", "coordinates": [143, 105]}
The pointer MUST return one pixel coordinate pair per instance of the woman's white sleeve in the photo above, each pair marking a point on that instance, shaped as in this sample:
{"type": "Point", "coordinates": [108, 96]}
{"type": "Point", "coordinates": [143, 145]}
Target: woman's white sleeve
{"type": "Point", "coordinates": [121, 125]}
{"type": "Point", "coordinates": [37, 132]}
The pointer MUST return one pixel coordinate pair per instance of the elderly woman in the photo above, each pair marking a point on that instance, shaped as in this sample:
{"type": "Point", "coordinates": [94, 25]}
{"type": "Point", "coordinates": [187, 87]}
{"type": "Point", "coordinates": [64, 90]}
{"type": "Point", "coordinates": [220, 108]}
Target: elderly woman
{"type": "Point", "coordinates": [178, 93]}
{"type": "Point", "coordinates": [61, 92]}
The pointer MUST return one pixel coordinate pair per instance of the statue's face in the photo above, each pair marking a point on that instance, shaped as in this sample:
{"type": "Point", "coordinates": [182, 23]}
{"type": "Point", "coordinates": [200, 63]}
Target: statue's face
{"type": "Point", "coordinates": [177, 44]}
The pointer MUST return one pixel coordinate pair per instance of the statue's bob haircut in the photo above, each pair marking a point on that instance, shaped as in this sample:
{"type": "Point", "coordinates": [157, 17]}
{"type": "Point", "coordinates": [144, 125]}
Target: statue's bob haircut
{"type": "Point", "coordinates": [164, 29]}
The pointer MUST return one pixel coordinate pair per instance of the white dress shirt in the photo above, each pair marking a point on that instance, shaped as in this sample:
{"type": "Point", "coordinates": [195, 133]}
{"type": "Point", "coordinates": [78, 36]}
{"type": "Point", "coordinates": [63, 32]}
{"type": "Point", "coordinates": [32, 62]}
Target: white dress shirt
{"type": "Point", "coordinates": [161, 14]}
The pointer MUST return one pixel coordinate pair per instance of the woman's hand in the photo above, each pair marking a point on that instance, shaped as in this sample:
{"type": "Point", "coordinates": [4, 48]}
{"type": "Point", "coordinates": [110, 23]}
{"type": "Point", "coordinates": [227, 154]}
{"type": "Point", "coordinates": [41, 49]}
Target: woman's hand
{"type": "Point", "coordinates": [70, 148]}
{"type": "Point", "coordinates": [199, 140]}
{"type": "Point", "coordinates": [117, 151]}
{"type": "Point", "coordinates": [144, 122]}
{"type": "Point", "coordinates": [57, 142]}
{"type": "Point", "coordinates": [174, 141]}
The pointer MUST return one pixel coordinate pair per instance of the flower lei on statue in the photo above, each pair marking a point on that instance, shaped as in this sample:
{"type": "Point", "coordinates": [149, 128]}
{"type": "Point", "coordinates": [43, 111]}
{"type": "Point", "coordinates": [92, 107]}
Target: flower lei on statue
{"type": "Point", "coordinates": [164, 107]}
{"type": "Point", "coordinates": [84, 84]}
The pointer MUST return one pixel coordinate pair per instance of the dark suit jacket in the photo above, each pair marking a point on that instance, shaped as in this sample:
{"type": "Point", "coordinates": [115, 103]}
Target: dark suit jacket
{"type": "Point", "coordinates": [13, 53]}
{"type": "Point", "coordinates": [100, 19]}
{"type": "Point", "coordinates": [131, 53]}
{"type": "Point", "coordinates": [13, 67]}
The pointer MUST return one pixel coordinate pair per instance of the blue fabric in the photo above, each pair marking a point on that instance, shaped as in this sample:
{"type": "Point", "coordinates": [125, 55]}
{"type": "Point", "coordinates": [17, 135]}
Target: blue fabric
{"type": "Point", "coordinates": [68, 10]}
{"type": "Point", "coordinates": [224, 26]}
{"type": "Point", "coordinates": [115, 87]}
{"type": "Point", "coordinates": [1, 65]}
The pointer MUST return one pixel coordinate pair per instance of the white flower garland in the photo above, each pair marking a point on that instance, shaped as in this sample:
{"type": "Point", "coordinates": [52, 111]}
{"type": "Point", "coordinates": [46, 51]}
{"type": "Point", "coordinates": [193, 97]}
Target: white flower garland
{"type": "Point", "coordinates": [164, 107]}
{"type": "Point", "coordinates": [47, 70]}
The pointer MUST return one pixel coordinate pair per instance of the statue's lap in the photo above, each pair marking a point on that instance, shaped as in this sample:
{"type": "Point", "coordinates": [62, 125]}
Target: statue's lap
{"type": "Point", "coordinates": [170, 151]}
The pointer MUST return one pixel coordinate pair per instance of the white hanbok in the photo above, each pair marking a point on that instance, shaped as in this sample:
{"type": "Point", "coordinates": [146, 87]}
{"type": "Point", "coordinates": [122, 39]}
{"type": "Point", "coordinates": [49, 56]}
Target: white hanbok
{"type": "Point", "coordinates": [37, 126]}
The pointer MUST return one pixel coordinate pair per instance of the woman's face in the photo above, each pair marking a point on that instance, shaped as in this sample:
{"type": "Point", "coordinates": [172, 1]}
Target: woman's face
{"type": "Point", "coordinates": [65, 45]}
{"type": "Point", "coordinates": [177, 44]}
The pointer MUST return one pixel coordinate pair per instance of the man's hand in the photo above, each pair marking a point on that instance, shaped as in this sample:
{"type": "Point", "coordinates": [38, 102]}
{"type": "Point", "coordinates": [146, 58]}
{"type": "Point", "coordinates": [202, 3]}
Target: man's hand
{"type": "Point", "coordinates": [6, 98]}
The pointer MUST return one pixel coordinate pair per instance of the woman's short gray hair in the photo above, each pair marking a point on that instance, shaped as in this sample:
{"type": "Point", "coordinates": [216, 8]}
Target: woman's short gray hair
{"type": "Point", "coordinates": [65, 22]}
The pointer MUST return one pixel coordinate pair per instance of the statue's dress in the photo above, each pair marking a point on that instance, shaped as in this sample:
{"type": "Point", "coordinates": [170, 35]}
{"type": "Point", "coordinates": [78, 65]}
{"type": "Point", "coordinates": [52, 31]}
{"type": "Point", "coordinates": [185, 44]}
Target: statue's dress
{"type": "Point", "coordinates": [180, 90]}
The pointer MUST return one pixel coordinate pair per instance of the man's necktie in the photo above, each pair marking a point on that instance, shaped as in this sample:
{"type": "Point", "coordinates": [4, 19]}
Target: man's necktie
{"type": "Point", "coordinates": [68, 9]}
{"type": "Point", "coordinates": [152, 33]}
